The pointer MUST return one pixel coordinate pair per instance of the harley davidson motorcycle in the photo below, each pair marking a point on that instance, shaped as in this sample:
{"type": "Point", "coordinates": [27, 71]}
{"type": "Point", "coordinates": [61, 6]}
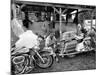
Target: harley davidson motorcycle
{"type": "Point", "coordinates": [70, 45]}
{"type": "Point", "coordinates": [23, 58]}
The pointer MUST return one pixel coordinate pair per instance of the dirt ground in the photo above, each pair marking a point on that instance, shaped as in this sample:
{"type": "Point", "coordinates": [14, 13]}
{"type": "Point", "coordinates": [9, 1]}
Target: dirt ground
{"type": "Point", "coordinates": [83, 61]}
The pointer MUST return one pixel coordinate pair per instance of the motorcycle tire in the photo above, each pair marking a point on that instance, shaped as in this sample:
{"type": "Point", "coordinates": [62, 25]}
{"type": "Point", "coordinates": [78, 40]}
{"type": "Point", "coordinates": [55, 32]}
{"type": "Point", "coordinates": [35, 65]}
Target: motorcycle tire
{"type": "Point", "coordinates": [48, 61]}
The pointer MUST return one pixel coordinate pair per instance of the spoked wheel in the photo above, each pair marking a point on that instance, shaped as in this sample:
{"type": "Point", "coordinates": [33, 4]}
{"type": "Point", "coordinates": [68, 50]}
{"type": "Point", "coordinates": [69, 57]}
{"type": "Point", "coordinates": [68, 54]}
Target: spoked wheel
{"type": "Point", "coordinates": [48, 61]}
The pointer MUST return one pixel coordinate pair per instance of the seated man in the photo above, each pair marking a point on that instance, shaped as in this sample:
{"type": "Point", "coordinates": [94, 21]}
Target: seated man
{"type": "Point", "coordinates": [50, 40]}
{"type": "Point", "coordinates": [80, 45]}
{"type": "Point", "coordinates": [50, 43]}
{"type": "Point", "coordinates": [67, 40]}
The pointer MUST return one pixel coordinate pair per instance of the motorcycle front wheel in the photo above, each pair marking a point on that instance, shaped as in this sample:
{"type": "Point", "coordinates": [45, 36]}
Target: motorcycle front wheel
{"type": "Point", "coordinates": [48, 61]}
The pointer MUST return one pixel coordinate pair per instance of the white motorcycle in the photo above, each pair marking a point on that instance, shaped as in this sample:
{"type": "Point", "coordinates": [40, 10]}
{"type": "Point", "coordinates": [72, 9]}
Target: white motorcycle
{"type": "Point", "coordinates": [24, 59]}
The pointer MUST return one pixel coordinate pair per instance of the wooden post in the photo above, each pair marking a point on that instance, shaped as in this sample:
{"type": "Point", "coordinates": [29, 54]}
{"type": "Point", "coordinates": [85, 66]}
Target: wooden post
{"type": "Point", "coordinates": [91, 19]}
{"type": "Point", "coordinates": [60, 12]}
{"type": "Point", "coordinates": [60, 27]}
{"type": "Point", "coordinates": [64, 11]}
{"type": "Point", "coordinates": [60, 15]}
{"type": "Point", "coordinates": [77, 21]}
{"type": "Point", "coordinates": [56, 10]}
{"type": "Point", "coordinates": [54, 15]}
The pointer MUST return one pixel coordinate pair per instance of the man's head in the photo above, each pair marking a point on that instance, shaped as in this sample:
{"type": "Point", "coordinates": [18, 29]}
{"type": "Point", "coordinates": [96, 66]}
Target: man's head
{"type": "Point", "coordinates": [22, 15]}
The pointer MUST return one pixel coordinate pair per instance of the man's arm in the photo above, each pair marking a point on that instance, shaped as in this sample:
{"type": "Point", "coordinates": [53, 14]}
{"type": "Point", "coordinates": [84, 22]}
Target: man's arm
{"type": "Point", "coordinates": [22, 6]}
{"type": "Point", "coordinates": [14, 10]}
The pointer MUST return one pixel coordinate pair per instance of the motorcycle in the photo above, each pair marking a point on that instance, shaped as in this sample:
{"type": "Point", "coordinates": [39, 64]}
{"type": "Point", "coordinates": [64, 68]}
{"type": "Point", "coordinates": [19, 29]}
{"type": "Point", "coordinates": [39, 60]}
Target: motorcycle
{"type": "Point", "coordinates": [22, 58]}
{"type": "Point", "coordinates": [70, 45]}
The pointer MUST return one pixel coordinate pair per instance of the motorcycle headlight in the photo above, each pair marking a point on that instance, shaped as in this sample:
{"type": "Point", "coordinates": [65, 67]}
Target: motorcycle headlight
{"type": "Point", "coordinates": [36, 47]}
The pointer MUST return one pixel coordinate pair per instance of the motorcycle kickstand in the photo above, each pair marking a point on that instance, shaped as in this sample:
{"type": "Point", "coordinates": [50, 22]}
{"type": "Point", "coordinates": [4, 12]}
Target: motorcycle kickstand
{"type": "Point", "coordinates": [56, 58]}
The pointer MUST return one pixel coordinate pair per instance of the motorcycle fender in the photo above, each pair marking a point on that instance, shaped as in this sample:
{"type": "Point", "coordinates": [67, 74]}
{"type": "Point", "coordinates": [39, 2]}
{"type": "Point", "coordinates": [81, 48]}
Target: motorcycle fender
{"type": "Point", "coordinates": [46, 52]}
{"type": "Point", "coordinates": [18, 59]}
{"type": "Point", "coordinates": [49, 50]}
